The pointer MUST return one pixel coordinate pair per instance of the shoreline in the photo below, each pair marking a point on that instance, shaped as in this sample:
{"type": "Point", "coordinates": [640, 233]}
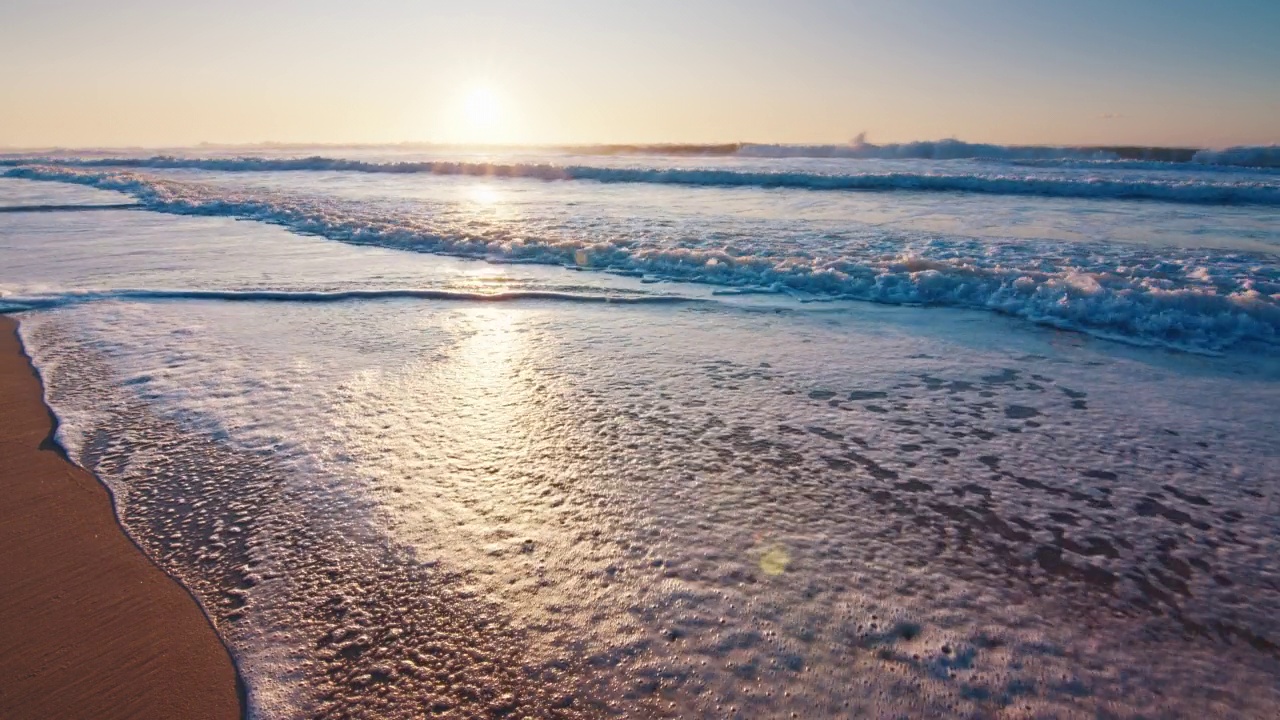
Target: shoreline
{"type": "Point", "coordinates": [89, 626]}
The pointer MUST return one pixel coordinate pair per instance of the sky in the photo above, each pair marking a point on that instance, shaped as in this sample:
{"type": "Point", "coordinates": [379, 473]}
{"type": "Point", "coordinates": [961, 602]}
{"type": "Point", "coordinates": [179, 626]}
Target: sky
{"type": "Point", "coordinates": [149, 73]}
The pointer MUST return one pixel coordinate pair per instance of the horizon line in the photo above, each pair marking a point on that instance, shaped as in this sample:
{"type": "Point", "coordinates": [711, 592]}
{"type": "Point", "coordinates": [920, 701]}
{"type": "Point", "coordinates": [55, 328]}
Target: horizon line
{"type": "Point", "coordinates": [724, 146]}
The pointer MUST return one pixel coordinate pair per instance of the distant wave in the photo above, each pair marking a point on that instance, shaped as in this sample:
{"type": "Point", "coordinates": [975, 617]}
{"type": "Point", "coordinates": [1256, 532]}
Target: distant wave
{"type": "Point", "coordinates": [709, 149]}
{"type": "Point", "coordinates": [1198, 300]}
{"type": "Point", "coordinates": [930, 150]}
{"type": "Point", "coordinates": [11, 303]}
{"type": "Point", "coordinates": [951, 149]}
{"type": "Point", "coordinates": [1245, 156]}
{"type": "Point", "coordinates": [1170, 190]}
{"type": "Point", "coordinates": [1267, 156]}
{"type": "Point", "coordinates": [1138, 165]}
{"type": "Point", "coordinates": [1259, 156]}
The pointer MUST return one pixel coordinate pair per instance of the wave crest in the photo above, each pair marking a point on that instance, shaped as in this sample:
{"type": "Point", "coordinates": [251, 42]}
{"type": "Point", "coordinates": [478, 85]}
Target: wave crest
{"type": "Point", "coordinates": [1167, 190]}
{"type": "Point", "coordinates": [1266, 156]}
{"type": "Point", "coordinates": [1194, 302]}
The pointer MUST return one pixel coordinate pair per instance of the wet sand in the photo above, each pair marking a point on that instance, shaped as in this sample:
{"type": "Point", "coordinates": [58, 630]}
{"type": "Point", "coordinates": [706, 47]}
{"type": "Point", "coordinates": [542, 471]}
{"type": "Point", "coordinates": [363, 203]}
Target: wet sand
{"type": "Point", "coordinates": [89, 627]}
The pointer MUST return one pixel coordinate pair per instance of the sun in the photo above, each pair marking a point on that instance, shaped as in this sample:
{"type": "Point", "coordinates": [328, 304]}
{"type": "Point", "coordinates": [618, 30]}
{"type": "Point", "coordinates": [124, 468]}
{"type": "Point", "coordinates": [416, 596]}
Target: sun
{"type": "Point", "coordinates": [479, 115]}
{"type": "Point", "coordinates": [482, 110]}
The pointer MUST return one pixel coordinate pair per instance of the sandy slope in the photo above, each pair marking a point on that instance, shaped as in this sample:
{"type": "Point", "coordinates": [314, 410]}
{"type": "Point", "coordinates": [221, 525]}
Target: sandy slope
{"type": "Point", "coordinates": [89, 628]}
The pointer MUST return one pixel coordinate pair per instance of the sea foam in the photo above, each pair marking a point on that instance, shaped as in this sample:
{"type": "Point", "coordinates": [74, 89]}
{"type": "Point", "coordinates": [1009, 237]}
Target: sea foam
{"type": "Point", "coordinates": [1189, 300]}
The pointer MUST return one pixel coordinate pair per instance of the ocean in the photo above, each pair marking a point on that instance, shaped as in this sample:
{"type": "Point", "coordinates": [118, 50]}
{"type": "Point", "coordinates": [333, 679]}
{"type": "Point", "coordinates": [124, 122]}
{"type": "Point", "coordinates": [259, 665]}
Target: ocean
{"type": "Point", "coordinates": [747, 431]}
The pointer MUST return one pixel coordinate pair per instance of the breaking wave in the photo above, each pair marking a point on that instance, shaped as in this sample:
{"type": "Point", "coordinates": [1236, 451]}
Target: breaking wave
{"type": "Point", "coordinates": [1264, 156]}
{"type": "Point", "coordinates": [1267, 156]}
{"type": "Point", "coordinates": [1193, 300]}
{"type": "Point", "coordinates": [1176, 190]}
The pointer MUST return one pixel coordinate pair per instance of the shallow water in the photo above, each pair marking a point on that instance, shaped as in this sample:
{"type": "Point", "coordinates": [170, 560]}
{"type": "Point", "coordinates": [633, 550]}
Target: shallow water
{"type": "Point", "coordinates": [1178, 255]}
{"type": "Point", "coordinates": [750, 505]}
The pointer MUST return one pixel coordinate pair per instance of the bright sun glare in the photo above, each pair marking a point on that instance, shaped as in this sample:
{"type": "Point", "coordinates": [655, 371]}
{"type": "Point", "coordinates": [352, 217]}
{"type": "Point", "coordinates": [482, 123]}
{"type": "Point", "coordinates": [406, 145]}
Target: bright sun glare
{"type": "Point", "coordinates": [482, 110]}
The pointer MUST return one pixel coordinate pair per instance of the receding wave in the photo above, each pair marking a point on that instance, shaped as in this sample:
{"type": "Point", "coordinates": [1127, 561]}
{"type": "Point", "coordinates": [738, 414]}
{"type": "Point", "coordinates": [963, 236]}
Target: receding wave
{"type": "Point", "coordinates": [41, 302]}
{"type": "Point", "coordinates": [1196, 300]}
{"type": "Point", "coordinates": [65, 208]}
{"type": "Point", "coordinates": [999, 183]}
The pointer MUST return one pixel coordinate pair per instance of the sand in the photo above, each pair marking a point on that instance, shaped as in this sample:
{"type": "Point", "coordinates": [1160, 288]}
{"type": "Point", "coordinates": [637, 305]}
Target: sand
{"type": "Point", "coordinates": [89, 627]}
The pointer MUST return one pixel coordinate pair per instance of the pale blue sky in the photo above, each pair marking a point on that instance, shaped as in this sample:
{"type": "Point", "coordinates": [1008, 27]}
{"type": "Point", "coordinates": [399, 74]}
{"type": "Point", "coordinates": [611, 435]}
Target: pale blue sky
{"type": "Point", "coordinates": [77, 72]}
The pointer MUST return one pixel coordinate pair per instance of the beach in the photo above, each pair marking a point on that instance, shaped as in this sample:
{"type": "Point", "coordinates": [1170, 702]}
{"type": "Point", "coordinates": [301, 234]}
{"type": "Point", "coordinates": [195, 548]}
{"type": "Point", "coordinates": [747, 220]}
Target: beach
{"type": "Point", "coordinates": [89, 627]}
{"type": "Point", "coordinates": [642, 361]}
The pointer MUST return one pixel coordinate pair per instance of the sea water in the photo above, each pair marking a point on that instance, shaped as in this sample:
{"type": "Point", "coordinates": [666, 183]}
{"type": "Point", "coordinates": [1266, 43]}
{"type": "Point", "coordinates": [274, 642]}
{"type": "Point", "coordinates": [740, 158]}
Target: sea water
{"type": "Point", "coordinates": [555, 434]}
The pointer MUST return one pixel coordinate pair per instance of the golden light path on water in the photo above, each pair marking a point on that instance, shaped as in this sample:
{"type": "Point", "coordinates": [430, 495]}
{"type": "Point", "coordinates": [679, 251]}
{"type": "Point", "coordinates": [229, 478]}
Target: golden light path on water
{"type": "Point", "coordinates": [478, 463]}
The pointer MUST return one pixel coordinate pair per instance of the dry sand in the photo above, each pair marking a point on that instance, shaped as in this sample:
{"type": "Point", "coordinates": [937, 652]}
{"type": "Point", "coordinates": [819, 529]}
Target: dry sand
{"type": "Point", "coordinates": [89, 627]}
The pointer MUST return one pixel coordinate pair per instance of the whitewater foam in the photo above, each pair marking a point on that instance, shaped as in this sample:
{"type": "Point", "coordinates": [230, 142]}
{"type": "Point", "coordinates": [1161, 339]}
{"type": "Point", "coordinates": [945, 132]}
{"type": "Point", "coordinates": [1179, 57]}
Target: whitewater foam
{"type": "Point", "coordinates": [1142, 295]}
{"type": "Point", "coordinates": [651, 511]}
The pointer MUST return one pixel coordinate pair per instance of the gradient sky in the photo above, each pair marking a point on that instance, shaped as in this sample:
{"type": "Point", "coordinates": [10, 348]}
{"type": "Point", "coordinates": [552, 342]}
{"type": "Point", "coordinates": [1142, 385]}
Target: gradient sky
{"type": "Point", "coordinates": [138, 72]}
